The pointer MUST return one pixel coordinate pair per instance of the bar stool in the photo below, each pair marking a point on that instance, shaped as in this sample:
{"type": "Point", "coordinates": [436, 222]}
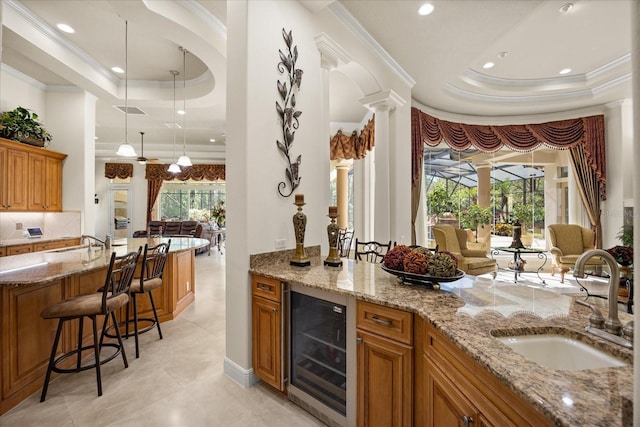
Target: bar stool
{"type": "Point", "coordinates": [154, 260]}
{"type": "Point", "coordinates": [114, 294]}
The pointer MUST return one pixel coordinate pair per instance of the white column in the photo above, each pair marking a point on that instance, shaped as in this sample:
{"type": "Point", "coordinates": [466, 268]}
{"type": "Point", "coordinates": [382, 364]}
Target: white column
{"type": "Point", "coordinates": [382, 104]}
{"type": "Point", "coordinates": [342, 193]}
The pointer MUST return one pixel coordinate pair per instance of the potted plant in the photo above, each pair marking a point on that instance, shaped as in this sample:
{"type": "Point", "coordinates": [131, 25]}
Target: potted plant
{"type": "Point", "coordinates": [475, 217]}
{"type": "Point", "coordinates": [22, 125]}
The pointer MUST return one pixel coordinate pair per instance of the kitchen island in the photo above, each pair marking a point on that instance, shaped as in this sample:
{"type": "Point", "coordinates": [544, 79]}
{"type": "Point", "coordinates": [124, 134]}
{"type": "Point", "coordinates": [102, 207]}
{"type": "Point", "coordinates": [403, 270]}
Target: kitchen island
{"type": "Point", "coordinates": [33, 281]}
{"type": "Point", "coordinates": [469, 314]}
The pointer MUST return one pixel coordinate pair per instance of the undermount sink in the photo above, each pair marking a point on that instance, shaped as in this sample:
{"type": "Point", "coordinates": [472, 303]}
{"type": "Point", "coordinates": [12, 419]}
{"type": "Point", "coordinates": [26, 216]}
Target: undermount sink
{"type": "Point", "coordinates": [559, 352]}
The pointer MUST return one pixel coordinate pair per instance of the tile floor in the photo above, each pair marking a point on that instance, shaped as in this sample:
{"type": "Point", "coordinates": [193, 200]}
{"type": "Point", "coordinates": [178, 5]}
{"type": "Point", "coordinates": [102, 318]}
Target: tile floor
{"type": "Point", "coordinates": [177, 381]}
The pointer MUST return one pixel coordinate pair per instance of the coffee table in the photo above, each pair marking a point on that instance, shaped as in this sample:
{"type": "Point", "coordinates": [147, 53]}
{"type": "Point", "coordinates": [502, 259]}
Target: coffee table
{"type": "Point", "coordinates": [518, 262]}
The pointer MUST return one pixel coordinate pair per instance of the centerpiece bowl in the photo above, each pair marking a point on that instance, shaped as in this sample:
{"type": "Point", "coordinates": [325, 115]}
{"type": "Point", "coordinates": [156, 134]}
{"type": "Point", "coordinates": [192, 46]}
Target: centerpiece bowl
{"type": "Point", "coordinates": [423, 279]}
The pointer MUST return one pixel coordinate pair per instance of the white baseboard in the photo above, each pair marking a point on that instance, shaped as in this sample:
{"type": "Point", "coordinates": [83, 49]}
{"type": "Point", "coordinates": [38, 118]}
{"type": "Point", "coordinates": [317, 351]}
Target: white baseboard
{"type": "Point", "coordinates": [244, 377]}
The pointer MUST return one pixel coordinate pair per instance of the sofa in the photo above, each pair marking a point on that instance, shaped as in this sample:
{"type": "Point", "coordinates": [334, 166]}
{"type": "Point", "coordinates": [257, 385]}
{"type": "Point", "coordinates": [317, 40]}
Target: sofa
{"type": "Point", "coordinates": [471, 261]}
{"type": "Point", "coordinates": [568, 242]}
{"type": "Point", "coordinates": [169, 228]}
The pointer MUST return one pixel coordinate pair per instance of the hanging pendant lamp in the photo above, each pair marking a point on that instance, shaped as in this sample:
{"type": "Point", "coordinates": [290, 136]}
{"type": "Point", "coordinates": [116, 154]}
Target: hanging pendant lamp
{"type": "Point", "coordinates": [173, 167]}
{"type": "Point", "coordinates": [184, 160]}
{"type": "Point", "coordinates": [126, 149]}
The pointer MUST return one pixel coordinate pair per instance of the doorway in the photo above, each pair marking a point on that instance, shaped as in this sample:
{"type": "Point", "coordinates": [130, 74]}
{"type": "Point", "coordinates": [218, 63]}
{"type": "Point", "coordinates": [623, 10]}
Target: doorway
{"type": "Point", "coordinates": [120, 211]}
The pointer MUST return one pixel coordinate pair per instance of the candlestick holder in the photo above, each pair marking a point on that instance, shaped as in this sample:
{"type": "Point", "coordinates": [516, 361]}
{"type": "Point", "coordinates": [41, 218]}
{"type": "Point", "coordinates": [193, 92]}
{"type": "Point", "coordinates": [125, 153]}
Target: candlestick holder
{"type": "Point", "coordinates": [299, 259]}
{"type": "Point", "coordinates": [333, 230]}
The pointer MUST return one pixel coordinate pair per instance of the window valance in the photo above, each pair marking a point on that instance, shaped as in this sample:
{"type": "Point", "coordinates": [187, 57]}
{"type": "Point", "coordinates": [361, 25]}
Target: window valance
{"type": "Point", "coordinates": [118, 170]}
{"type": "Point", "coordinates": [156, 171]}
{"type": "Point", "coordinates": [355, 146]}
{"type": "Point", "coordinates": [561, 134]}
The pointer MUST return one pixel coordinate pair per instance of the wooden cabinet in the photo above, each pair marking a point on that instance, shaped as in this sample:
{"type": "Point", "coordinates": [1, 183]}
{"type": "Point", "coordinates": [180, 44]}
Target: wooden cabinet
{"type": "Point", "coordinates": [384, 366]}
{"type": "Point", "coordinates": [30, 178]}
{"type": "Point", "coordinates": [45, 183]}
{"type": "Point", "coordinates": [460, 392]}
{"type": "Point", "coordinates": [14, 175]}
{"type": "Point", "coordinates": [19, 249]}
{"type": "Point", "coordinates": [38, 247]}
{"type": "Point", "coordinates": [267, 330]}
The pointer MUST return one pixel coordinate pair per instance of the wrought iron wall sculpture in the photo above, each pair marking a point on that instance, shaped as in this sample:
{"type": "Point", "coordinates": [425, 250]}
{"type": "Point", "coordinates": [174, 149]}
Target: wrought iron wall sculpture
{"type": "Point", "coordinates": [287, 111]}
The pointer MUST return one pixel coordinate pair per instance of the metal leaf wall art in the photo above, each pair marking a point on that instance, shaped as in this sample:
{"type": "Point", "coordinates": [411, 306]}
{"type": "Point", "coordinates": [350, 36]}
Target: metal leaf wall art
{"type": "Point", "coordinates": [287, 112]}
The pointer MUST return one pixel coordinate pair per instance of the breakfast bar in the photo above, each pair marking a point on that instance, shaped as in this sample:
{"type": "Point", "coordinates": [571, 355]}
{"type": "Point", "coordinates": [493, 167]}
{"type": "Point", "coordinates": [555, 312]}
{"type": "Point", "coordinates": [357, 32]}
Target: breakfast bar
{"type": "Point", "coordinates": [33, 281]}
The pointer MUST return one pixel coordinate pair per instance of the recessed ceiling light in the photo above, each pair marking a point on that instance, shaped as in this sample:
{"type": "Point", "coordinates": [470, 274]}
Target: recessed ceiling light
{"type": "Point", "coordinates": [566, 8]}
{"type": "Point", "coordinates": [502, 55]}
{"type": "Point", "coordinates": [117, 70]}
{"type": "Point", "coordinates": [212, 140]}
{"type": "Point", "coordinates": [488, 65]}
{"type": "Point", "coordinates": [66, 28]}
{"type": "Point", "coordinates": [425, 9]}
{"type": "Point", "coordinates": [565, 71]}
{"type": "Point", "coordinates": [181, 112]}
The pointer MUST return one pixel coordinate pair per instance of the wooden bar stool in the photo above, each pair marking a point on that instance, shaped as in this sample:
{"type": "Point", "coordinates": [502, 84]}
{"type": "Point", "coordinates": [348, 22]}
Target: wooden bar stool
{"type": "Point", "coordinates": [154, 260]}
{"type": "Point", "coordinates": [114, 294]}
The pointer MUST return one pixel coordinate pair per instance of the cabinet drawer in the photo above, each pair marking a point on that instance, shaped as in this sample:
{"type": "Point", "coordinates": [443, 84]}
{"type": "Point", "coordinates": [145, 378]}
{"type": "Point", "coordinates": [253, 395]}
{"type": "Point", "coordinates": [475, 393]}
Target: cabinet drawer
{"type": "Point", "coordinates": [266, 288]}
{"type": "Point", "coordinates": [385, 321]}
{"type": "Point", "coordinates": [47, 246]}
{"type": "Point", "coordinates": [3, 251]}
{"type": "Point", "coordinates": [19, 249]}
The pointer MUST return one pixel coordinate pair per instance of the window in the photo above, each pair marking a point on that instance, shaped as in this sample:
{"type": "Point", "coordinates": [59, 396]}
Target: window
{"type": "Point", "coordinates": [190, 200]}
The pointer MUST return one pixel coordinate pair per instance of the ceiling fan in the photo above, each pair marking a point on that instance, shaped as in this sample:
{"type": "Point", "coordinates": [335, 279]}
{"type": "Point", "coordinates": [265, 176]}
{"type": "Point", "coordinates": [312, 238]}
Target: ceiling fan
{"type": "Point", "coordinates": [141, 158]}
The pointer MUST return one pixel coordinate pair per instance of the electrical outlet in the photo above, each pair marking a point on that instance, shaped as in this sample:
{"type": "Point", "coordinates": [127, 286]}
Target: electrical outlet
{"type": "Point", "coordinates": [18, 226]}
{"type": "Point", "coordinates": [281, 243]}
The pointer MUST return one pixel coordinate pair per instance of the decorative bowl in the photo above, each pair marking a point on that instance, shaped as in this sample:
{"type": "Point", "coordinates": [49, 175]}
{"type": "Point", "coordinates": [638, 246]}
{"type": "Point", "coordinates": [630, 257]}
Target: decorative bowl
{"type": "Point", "coordinates": [423, 279]}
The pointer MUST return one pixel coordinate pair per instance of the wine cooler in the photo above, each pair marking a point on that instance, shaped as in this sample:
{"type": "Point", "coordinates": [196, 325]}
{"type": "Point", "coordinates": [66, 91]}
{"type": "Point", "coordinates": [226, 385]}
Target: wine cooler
{"type": "Point", "coordinates": [319, 361]}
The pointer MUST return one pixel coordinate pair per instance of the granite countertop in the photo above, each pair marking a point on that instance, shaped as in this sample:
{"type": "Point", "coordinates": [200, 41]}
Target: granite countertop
{"type": "Point", "coordinates": [470, 312]}
{"type": "Point", "coordinates": [43, 267]}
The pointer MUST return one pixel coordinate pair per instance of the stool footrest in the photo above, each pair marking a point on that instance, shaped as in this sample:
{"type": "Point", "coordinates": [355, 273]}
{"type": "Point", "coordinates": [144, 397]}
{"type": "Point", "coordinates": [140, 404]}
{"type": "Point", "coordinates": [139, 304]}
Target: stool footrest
{"type": "Point", "coordinates": [74, 352]}
{"type": "Point", "coordinates": [110, 334]}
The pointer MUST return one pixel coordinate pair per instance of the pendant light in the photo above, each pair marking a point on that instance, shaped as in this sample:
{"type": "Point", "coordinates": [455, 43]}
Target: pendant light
{"type": "Point", "coordinates": [173, 167]}
{"type": "Point", "coordinates": [126, 149]}
{"type": "Point", "coordinates": [184, 160]}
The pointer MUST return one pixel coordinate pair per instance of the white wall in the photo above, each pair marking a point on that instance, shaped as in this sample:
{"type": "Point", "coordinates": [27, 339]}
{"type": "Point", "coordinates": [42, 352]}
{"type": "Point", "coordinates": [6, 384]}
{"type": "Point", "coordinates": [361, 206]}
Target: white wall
{"type": "Point", "coordinates": [23, 91]}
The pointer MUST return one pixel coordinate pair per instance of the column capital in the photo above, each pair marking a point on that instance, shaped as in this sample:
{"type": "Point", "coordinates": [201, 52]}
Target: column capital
{"type": "Point", "coordinates": [382, 101]}
{"type": "Point", "coordinates": [344, 164]}
{"type": "Point", "coordinates": [331, 53]}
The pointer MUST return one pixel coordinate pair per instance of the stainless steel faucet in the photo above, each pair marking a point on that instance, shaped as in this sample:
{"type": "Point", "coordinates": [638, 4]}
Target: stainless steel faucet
{"type": "Point", "coordinates": [106, 243]}
{"type": "Point", "coordinates": [612, 326]}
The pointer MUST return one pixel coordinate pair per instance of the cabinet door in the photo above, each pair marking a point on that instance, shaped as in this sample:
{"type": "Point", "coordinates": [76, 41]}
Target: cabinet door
{"type": "Point", "coordinates": [385, 373]}
{"type": "Point", "coordinates": [446, 406]}
{"type": "Point", "coordinates": [20, 249]}
{"type": "Point", "coordinates": [16, 180]}
{"type": "Point", "coordinates": [37, 182]}
{"type": "Point", "coordinates": [53, 185]}
{"type": "Point", "coordinates": [266, 340]}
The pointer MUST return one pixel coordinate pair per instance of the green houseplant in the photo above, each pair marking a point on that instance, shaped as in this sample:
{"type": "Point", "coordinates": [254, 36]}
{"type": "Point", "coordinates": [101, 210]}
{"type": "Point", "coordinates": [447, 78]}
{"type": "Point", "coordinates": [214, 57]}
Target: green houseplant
{"type": "Point", "coordinates": [474, 217]}
{"type": "Point", "coordinates": [21, 124]}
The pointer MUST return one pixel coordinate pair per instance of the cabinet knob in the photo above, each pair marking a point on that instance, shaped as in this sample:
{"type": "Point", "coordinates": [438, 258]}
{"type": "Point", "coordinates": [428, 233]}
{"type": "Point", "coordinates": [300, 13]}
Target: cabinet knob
{"type": "Point", "coordinates": [275, 310]}
{"type": "Point", "coordinates": [359, 340]}
{"type": "Point", "coordinates": [467, 421]}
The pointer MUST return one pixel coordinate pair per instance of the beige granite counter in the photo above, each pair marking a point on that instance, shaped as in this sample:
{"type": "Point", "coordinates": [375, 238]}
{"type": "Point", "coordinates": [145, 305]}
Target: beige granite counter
{"type": "Point", "coordinates": [42, 267]}
{"type": "Point", "coordinates": [470, 311]}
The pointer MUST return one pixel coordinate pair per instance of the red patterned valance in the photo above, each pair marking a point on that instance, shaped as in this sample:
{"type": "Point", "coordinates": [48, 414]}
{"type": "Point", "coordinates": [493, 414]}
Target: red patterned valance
{"type": "Point", "coordinates": [561, 134]}
{"type": "Point", "coordinates": [118, 170]}
{"type": "Point", "coordinates": [355, 146]}
{"type": "Point", "coordinates": [157, 171]}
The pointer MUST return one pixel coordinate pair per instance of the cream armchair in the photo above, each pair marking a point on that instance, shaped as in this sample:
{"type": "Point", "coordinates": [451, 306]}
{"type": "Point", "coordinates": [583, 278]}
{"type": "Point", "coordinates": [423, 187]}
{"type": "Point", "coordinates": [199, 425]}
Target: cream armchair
{"type": "Point", "coordinates": [471, 261]}
{"type": "Point", "coordinates": [568, 242]}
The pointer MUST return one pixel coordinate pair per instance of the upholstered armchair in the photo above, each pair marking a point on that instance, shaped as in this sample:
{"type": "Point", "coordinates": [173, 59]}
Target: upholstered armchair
{"type": "Point", "coordinates": [471, 261]}
{"type": "Point", "coordinates": [568, 242]}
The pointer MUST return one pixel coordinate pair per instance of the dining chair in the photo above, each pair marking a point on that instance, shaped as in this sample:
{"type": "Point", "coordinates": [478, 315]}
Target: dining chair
{"type": "Point", "coordinates": [114, 295]}
{"type": "Point", "coordinates": [371, 251]}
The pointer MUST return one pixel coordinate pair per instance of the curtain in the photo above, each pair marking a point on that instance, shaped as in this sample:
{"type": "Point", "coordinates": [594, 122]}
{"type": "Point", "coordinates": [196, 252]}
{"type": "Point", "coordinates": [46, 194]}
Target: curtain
{"type": "Point", "coordinates": [118, 170]}
{"type": "Point", "coordinates": [417, 159]}
{"type": "Point", "coordinates": [589, 190]}
{"type": "Point", "coordinates": [585, 132]}
{"type": "Point", "coordinates": [157, 173]}
{"type": "Point", "coordinates": [355, 146]}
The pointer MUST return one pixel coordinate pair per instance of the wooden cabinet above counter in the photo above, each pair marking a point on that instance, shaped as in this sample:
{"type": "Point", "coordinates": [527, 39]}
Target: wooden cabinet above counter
{"type": "Point", "coordinates": [30, 178]}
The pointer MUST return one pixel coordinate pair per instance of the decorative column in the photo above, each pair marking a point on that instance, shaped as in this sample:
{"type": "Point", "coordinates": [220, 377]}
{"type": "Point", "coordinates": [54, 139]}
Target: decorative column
{"type": "Point", "coordinates": [484, 201]}
{"type": "Point", "coordinates": [382, 104]}
{"type": "Point", "coordinates": [342, 190]}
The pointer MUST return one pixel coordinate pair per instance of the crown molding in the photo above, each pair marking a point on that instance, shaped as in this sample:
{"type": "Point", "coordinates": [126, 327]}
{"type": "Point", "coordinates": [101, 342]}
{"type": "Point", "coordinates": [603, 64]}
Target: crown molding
{"type": "Point", "coordinates": [56, 38]}
{"type": "Point", "coordinates": [200, 11]}
{"type": "Point", "coordinates": [352, 24]}
{"type": "Point", "coordinates": [19, 75]}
